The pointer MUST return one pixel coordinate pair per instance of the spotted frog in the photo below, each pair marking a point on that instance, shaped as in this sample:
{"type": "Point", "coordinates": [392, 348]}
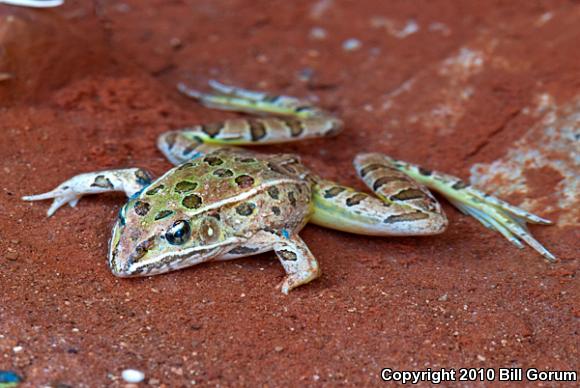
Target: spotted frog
{"type": "Point", "coordinates": [222, 202]}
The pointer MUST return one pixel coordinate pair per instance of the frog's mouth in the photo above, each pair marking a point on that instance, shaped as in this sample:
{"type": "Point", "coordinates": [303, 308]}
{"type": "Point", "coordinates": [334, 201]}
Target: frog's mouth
{"type": "Point", "coordinates": [138, 264]}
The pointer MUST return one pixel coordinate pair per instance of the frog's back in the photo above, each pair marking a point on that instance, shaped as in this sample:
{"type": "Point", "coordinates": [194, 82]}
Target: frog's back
{"type": "Point", "coordinates": [249, 192]}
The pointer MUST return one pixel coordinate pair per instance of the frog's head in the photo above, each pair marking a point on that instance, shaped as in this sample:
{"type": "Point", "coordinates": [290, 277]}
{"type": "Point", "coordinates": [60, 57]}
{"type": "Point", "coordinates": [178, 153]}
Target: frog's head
{"type": "Point", "coordinates": [148, 239]}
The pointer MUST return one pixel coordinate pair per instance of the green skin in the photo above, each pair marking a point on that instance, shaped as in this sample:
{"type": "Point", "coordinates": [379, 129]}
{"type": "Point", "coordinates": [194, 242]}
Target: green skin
{"type": "Point", "coordinates": [221, 202]}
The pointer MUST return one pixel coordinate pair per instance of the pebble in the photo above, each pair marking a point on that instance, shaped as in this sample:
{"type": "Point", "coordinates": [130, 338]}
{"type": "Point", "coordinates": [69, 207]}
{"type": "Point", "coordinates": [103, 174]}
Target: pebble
{"type": "Point", "coordinates": [318, 33]}
{"type": "Point", "coordinates": [133, 375]}
{"type": "Point", "coordinates": [443, 298]}
{"type": "Point", "coordinates": [11, 255]}
{"type": "Point", "coordinates": [278, 349]}
{"type": "Point", "coordinates": [351, 44]}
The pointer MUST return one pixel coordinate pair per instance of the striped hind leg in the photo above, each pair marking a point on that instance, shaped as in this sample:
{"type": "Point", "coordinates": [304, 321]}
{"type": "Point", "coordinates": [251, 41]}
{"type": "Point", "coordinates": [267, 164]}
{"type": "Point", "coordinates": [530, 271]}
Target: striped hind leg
{"type": "Point", "coordinates": [403, 207]}
{"type": "Point", "coordinates": [492, 212]}
{"type": "Point", "coordinates": [295, 119]}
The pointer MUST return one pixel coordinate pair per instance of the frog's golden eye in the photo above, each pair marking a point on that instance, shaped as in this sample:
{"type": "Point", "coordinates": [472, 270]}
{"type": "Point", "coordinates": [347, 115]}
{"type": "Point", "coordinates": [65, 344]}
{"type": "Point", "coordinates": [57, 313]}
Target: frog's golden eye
{"type": "Point", "coordinates": [209, 230]}
{"type": "Point", "coordinates": [178, 233]}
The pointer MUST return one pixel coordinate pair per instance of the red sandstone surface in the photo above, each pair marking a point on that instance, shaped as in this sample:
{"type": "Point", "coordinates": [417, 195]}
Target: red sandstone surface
{"type": "Point", "coordinates": [445, 84]}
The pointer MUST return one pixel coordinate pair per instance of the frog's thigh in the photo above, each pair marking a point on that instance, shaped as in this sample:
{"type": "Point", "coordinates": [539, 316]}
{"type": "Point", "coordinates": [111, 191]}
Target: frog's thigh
{"type": "Point", "coordinates": [299, 263]}
{"type": "Point", "coordinates": [404, 207]}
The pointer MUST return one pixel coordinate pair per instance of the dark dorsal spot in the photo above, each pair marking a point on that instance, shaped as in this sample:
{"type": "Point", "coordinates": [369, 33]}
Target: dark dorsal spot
{"type": "Point", "coordinates": [223, 173]}
{"type": "Point", "coordinates": [406, 217]}
{"type": "Point", "coordinates": [387, 179]}
{"type": "Point", "coordinates": [333, 191]}
{"type": "Point", "coordinates": [192, 201]}
{"type": "Point", "coordinates": [212, 129]}
{"type": "Point", "coordinates": [102, 182]}
{"type": "Point", "coordinates": [245, 209]}
{"type": "Point", "coordinates": [292, 198]}
{"type": "Point", "coordinates": [141, 208]}
{"type": "Point", "coordinates": [355, 199]}
{"type": "Point", "coordinates": [296, 127]}
{"type": "Point", "coordinates": [287, 255]}
{"type": "Point", "coordinates": [155, 190]}
{"type": "Point", "coordinates": [243, 251]}
{"type": "Point", "coordinates": [424, 171]}
{"type": "Point", "coordinates": [257, 129]}
{"type": "Point", "coordinates": [143, 177]}
{"type": "Point", "coordinates": [459, 185]}
{"type": "Point", "coordinates": [163, 214]}
{"type": "Point", "coordinates": [273, 192]}
{"type": "Point", "coordinates": [185, 186]}
{"type": "Point", "coordinates": [184, 166]}
{"type": "Point", "coordinates": [246, 160]}
{"type": "Point", "coordinates": [170, 139]}
{"type": "Point", "coordinates": [407, 194]}
{"type": "Point", "coordinates": [244, 181]}
{"type": "Point", "coordinates": [213, 160]}
{"type": "Point", "coordinates": [276, 210]}
{"type": "Point", "coordinates": [371, 167]}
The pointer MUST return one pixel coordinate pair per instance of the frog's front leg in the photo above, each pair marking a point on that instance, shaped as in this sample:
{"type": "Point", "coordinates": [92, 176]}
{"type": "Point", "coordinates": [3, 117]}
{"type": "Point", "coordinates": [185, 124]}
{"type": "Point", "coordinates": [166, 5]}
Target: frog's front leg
{"type": "Point", "coordinates": [129, 180]}
{"type": "Point", "coordinates": [299, 263]}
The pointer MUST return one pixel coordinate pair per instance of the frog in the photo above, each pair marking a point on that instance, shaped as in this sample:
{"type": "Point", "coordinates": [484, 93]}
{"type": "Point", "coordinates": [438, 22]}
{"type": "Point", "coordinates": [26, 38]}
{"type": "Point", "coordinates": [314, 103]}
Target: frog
{"type": "Point", "coordinates": [221, 201]}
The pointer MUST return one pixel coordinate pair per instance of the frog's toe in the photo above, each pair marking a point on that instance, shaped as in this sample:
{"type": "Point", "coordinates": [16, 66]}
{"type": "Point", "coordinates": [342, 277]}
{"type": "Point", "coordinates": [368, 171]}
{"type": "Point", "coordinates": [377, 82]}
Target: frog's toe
{"type": "Point", "coordinates": [61, 197]}
{"type": "Point", "coordinates": [492, 212]}
{"type": "Point", "coordinates": [502, 217]}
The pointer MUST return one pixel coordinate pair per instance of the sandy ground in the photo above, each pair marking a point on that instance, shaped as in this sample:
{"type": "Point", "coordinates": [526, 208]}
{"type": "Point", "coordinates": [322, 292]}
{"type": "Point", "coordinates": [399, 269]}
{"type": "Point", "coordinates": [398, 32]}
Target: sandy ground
{"type": "Point", "coordinates": [487, 90]}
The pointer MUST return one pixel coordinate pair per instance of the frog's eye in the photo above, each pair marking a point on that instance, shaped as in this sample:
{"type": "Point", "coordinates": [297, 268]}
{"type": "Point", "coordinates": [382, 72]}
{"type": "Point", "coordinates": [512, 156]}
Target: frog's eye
{"type": "Point", "coordinates": [178, 233]}
{"type": "Point", "coordinates": [209, 230]}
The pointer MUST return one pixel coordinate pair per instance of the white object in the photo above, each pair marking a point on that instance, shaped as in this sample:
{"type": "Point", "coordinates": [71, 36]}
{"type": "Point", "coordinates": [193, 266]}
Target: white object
{"type": "Point", "coordinates": [133, 375]}
{"type": "Point", "coordinates": [34, 3]}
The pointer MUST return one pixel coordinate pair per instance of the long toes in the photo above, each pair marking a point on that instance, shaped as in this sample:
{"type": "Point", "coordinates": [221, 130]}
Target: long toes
{"type": "Point", "coordinates": [59, 202]}
{"type": "Point", "coordinates": [220, 87]}
{"type": "Point", "coordinates": [184, 89]}
{"type": "Point", "coordinates": [40, 197]}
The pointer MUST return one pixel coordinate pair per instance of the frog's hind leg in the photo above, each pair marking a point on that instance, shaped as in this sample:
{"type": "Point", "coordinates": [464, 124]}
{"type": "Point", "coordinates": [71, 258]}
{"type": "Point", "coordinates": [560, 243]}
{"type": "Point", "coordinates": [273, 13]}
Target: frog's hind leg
{"type": "Point", "coordinates": [492, 212]}
{"type": "Point", "coordinates": [404, 207]}
{"type": "Point", "coordinates": [296, 119]}
{"type": "Point", "coordinates": [182, 146]}
{"type": "Point", "coordinates": [129, 181]}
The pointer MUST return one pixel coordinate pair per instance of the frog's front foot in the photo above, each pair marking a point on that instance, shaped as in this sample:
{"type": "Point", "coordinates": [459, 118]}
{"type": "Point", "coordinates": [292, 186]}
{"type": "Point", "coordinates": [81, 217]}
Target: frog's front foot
{"type": "Point", "coordinates": [62, 195]}
{"type": "Point", "coordinates": [130, 180]}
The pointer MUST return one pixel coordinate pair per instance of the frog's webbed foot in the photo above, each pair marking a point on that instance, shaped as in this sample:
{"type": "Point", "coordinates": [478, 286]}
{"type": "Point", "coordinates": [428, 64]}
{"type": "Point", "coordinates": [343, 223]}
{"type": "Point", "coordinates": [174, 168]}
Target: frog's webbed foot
{"type": "Point", "coordinates": [492, 212]}
{"type": "Point", "coordinates": [299, 263]}
{"type": "Point", "coordinates": [130, 181]}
